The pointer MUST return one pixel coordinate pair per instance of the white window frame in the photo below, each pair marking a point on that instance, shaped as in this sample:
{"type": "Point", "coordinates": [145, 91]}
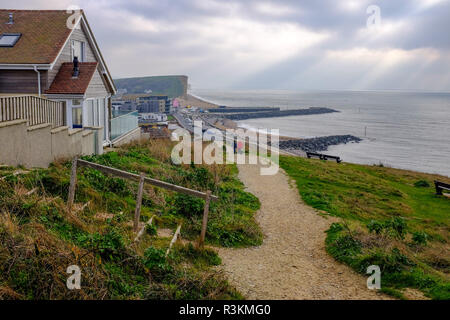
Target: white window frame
{"type": "Point", "coordinates": [81, 109]}
{"type": "Point", "coordinates": [15, 39]}
{"type": "Point", "coordinates": [83, 50]}
{"type": "Point", "coordinates": [95, 113]}
{"type": "Point", "coordinates": [88, 114]}
{"type": "Point", "coordinates": [69, 111]}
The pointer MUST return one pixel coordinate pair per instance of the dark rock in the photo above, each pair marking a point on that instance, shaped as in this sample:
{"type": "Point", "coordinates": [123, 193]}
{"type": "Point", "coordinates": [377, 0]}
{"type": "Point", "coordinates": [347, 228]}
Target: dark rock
{"type": "Point", "coordinates": [317, 144]}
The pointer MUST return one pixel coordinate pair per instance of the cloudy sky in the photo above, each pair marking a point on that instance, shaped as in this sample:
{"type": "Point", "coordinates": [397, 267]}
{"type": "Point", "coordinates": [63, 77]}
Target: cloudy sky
{"type": "Point", "coordinates": [283, 44]}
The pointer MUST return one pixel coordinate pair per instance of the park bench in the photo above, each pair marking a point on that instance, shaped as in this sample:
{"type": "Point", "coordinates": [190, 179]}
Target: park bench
{"type": "Point", "coordinates": [441, 186]}
{"type": "Point", "coordinates": [323, 156]}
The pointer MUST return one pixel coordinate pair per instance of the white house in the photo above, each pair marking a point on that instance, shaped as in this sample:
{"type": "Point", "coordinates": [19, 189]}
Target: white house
{"type": "Point", "coordinates": [54, 54]}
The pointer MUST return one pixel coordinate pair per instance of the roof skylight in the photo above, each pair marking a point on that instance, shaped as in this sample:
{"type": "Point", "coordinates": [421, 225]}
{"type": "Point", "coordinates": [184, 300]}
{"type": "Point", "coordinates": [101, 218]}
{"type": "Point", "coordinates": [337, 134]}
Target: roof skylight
{"type": "Point", "coordinates": [9, 39]}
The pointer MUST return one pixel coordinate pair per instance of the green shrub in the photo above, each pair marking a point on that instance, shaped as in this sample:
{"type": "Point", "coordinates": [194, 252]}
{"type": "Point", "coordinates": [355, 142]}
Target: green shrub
{"type": "Point", "coordinates": [126, 280]}
{"type": "Point", "coordinates": [422, 184]}
{"type": "Point", "coordinates": [398, 271]}
{"type": "Point", "coordinates": [109, 245]}
{"type": "Point", "coordinates": [201, 177]}
{"type": "Point", "coordinates": [375, 226]}
{"type": "Point", "coordinates": [205, 255]}
{"type": "Point", "coordinates": [395, 227]}
{"type": "Point", "coordinates": [420, 238]}
{"type": "Point", "coordinates": [345, 247]}
{"type": "Point", "coordinates": [193, 286]}
{"type": "Point", "coordinates": [151, 229]}
{"type": "Point", "coordinates": [54, 183]}
{"type": "Point", "coordinates": [247, 199]}
{"type": "Point", "coordinates": [189, 206]}
{"type": "Point", "coordinates": [228, 238]}
{"type": "Point", "coordinates": [155, 260]}
{"type": "Point", "coordinates": [54, 220]}
{"type": "Point", "coordinates": [335, 228]}
{"type": "Point", "coordinates": [196, 177]}
{"type": "Point", "coordinates": [107, 184]}
{"type": "Point", "coordinates": [391, 262]}
{"type": "Point", "coordinates": [398, 227]}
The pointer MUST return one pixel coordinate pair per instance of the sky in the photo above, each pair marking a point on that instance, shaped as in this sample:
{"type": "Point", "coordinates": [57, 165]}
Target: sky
{"type": "Point", "coordinates": [283, 44]}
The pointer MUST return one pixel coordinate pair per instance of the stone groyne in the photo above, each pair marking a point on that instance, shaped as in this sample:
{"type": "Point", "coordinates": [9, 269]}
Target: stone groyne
{"type": "Point", "coordinates": [281, 113]}
{"type": "Point", "coordinates": [317, 144]}
{"type": "Point", "coordinates": [243, 109]}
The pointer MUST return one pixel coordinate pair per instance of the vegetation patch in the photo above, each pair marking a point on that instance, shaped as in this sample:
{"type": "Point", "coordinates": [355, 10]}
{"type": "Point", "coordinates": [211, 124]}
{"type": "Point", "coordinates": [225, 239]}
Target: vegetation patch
{"type": "Point", "coordinates": [40, 238]}
{"type": "Point", "coordinates": [391, 218]}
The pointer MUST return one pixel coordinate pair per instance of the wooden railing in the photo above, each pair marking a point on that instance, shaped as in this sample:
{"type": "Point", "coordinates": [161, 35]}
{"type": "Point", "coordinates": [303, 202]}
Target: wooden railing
{"type": "Point", "coordinates": [33, 109]}
{"type": "Point", "coordinates": [142, 179]}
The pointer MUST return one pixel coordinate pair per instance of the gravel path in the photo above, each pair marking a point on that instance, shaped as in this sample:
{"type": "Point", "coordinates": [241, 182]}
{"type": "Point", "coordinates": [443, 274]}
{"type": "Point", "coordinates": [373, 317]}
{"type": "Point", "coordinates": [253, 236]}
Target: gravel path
{"type": "Point", "coordinates": [292, 262]}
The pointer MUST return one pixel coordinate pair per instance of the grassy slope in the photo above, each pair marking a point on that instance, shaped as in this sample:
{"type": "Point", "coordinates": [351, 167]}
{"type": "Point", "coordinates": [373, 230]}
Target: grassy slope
{"type": "Point", "coordinates": [387, 220]}
{"type": "Point", "coordinates": [39, 238]}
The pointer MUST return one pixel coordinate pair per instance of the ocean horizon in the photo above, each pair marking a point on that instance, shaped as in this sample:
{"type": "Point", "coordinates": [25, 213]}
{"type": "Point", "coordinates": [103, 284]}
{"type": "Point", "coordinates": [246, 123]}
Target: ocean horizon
{"type": "Point", "coordinates": [400, 129]}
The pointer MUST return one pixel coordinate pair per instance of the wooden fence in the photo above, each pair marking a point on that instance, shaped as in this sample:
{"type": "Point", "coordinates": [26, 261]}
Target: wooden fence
{"type": "Point", "coordinates": [142, 179]}
{"type": "Point", "coordinates": [33, 109]}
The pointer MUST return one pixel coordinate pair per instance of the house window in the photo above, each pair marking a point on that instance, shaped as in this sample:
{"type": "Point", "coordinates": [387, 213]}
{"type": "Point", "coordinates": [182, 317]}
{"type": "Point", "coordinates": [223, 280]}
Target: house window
{"type": "Point", "coordinates": [9, 39]}
{"type": "Point", "coordinates": [77, 117]}
{"type": "Point", "coordinates": [102, 115]}
{"type": "Point", "coordinates": [95, 114]}
{"type": "Point", "coordinates": [78, 49]}
{"type": "Point", "coordinates": [90, 113]}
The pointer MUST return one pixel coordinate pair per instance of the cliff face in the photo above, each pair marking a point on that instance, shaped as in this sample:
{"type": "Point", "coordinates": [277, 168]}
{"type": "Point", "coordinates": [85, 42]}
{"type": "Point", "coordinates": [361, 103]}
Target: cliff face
{"type": "Point", "coordinates": [172, 86]}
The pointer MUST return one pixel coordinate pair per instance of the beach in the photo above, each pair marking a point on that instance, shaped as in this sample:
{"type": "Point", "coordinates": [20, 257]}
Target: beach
{"type": "Point", "coordinates": [190, 100]}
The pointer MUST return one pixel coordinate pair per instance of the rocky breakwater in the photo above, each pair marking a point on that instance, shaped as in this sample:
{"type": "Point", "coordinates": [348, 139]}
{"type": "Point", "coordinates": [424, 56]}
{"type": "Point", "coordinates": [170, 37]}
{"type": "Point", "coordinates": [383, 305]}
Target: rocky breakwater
{"type": "Point", "coordinates": [317, 144]}
{"type": "Point", "coordinates": [274, 114]}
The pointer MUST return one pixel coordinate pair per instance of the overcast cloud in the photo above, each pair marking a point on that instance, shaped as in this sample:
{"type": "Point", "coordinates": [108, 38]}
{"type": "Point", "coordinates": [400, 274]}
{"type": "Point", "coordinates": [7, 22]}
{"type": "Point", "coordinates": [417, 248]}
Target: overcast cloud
{"type": "Point", "coordinates": [284, 44]}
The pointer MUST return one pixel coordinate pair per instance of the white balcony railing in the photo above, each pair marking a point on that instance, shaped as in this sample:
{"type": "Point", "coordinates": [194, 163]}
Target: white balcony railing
{"type": "Point", "coordinates": [124, 124]}
{"type": "Point", "coordinates": [33, 109]}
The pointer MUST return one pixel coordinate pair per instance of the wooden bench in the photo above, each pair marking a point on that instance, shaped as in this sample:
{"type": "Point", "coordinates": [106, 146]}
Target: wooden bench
{"type": "Point", "coordinates": [441, 186]}
{"type": "Point", "coordinates": [323, 156]}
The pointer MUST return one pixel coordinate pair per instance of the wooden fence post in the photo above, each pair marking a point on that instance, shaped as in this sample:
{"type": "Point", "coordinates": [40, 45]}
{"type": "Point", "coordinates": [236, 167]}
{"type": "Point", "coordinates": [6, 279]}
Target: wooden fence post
{"type": "Point", "coordinates": [142, 231]}
{"type": "Point", "coordinates": [137, 213]}
{"type": "Point", "coordinates": [73, 183]}
{"type": "Point", "coordinates": [205, 219]}
{"type": "Point", "coordinates": [174, 239]}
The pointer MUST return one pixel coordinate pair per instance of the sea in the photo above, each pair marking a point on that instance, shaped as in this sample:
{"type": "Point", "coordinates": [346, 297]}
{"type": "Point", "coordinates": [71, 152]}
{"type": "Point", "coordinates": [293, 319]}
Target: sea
{"type": "Point", "coordinates": [406, 130]}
